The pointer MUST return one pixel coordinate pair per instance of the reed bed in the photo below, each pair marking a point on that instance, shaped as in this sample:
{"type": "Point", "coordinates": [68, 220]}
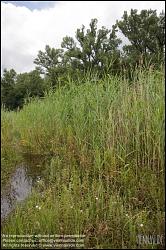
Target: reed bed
{"type": "Point", "coordinates": [104, 176]}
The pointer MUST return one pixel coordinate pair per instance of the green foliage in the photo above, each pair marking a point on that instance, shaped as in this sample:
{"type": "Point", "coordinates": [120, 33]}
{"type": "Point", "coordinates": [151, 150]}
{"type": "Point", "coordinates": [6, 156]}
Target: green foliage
{"type": "Point", "coordinates": [104, 176]}
{"type": "Point", "coordinates": [145, 31]}
{"type": "Point", "coordinates": [8, 81]}
{"type": "Point", "coordinates": [9, 78]}
{"type": "Point", "coordinates": [15, 88]}
{"type": "Point", "coordinates": [31, 82]}
{"type": "Point", "coordinates": [49, 62]}
{"type": "Point", "coordinates": [9, 154]}
{"type": "Point", "coordinates": [102, 138]}
{"type": "Point", "coordinates": [95, 50]}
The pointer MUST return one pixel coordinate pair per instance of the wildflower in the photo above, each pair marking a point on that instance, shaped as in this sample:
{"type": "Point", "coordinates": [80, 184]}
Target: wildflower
{"type": "Point", "coordinates": [127, 215]}
{"type": "Point", "coordinates": [96, 198]}
{"type": "Point", "coordinates": [81, 210]}
{"type": "Point", "coordinates": [141, 225]}
{"type": "Point", "coordinates": [38, 207]}
{"type": "Point", "coordinates": [38, 179]}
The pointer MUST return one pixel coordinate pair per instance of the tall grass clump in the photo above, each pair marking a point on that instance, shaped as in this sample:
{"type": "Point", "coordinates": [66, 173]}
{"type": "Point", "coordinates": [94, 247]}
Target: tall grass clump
{"type": "Point", "coordinates": [105, 175]}
{"type": "Point", "coordinates": [9, 155]}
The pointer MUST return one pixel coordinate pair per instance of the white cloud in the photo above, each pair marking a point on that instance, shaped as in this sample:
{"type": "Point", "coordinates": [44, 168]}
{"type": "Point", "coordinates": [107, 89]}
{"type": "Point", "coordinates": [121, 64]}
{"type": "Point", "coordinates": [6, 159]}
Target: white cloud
{"type": "Point", "coordinates": [25, 32]}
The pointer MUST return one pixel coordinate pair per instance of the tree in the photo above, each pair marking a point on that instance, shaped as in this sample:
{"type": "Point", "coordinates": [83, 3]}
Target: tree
{"type": "Point", "coordinates": [28, 85]}
{"type": "Point", "coordinates": [93, 50]}
{"type": "Point", "coordinates": [145, 31]}
{"type": "Point", "coordinates": [49, 63]}
{"type": "Point", "coordinates": [16, 87]}
{"type": "Point", "coordinates": [8, 78]}
{"type": "Point", "coordinates": [8, 81]}
{"type": "Point", "coordinates": [96, 49]}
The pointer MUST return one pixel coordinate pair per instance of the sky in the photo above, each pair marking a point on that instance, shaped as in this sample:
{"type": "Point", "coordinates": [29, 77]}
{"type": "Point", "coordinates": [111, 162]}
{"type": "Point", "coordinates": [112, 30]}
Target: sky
{"type": "Point", "coordinates": [28, 26]}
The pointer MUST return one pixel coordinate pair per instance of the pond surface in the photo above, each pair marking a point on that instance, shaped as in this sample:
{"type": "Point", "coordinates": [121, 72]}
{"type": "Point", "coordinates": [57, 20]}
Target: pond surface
{"type": "Point", "coordinates": [18, 189]}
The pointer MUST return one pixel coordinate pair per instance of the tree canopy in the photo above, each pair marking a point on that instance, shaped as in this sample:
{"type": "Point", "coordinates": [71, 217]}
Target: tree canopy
{"type": "Point", "coordinates": [145, 31]}
{"type": "Point", "coordinates": [92, 50]}
{"type": "Point", "coordinates": [16, 87]}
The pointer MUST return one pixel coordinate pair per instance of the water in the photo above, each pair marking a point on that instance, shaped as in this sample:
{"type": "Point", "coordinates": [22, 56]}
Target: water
{"type": "Point", "coordinates": [21, 182]}
{"type": "Point", "coordinates": [17, 190]}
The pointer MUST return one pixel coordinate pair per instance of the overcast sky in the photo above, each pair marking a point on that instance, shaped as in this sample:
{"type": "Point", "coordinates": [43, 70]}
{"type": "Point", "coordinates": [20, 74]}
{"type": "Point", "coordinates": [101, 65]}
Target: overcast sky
{"type": "Point", "coordinates": [27, 26]}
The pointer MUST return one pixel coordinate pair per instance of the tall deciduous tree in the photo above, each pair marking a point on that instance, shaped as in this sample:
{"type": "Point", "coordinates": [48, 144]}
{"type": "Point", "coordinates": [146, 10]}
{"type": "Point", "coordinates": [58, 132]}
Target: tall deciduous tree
{"type": "Point", "coordinates": [94, 49]}
{"type": "Point", "coordinates": [8, 78]}
{"type": "Point", "coordinates": [145, 31]}
{"type": "Point", "coordinates": [8, 81]}
{"type": "Point", "coordinates": [16, 87]}
{"type": "Point", "coordinates": [49, 62]}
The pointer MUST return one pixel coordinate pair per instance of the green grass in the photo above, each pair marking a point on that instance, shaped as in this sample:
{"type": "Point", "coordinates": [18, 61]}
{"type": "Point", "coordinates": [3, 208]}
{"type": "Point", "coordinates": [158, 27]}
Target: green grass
{"type": "Point", "coordinates": [9, 155]}
{"type": "Point", "coordinates": [104, 176]}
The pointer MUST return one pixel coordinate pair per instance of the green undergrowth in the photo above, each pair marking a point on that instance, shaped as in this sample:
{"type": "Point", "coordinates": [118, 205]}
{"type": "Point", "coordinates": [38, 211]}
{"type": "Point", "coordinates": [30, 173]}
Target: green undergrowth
{"type": "Point", "coordinates": [105, 173]}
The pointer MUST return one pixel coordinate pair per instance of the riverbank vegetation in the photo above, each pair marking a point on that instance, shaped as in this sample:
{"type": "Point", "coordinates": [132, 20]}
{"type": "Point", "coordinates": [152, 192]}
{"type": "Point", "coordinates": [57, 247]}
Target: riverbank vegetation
{"type": "Point", "coordinates": [101, 133]}
{"type": "Point", "coordinates": [105, 171]}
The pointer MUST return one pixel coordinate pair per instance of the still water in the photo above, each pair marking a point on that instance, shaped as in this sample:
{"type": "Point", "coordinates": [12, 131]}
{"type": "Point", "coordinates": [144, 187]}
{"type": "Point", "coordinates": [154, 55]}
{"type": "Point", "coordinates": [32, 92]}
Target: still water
{"type": "Point", "coordinates": [18, 189]}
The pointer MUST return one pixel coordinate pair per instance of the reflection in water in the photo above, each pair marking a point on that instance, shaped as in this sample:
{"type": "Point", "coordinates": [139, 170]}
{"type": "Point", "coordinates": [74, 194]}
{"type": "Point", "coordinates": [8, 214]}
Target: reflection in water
{"type": "Point", "coordinates": [21, 183]}
{"type": "Point", "coordinates": [20, 187]}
